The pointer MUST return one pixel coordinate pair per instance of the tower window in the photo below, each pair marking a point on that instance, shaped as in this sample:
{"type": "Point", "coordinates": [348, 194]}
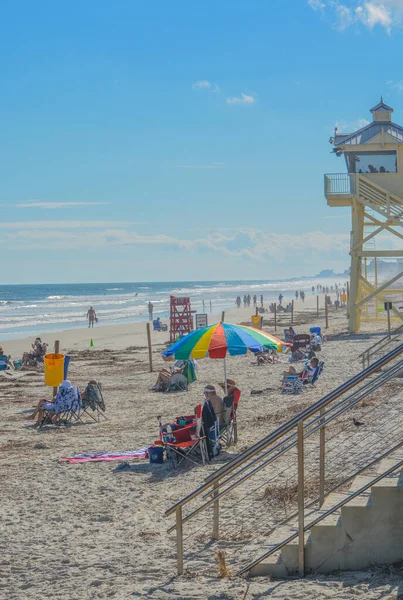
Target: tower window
{"type": "Point", "coordinates": [372, 162]}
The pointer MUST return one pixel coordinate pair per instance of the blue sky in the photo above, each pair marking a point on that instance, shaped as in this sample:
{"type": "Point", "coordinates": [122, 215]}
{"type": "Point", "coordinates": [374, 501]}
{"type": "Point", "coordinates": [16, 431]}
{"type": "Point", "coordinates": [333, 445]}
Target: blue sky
{"type": "Point", "coordinates": [183, 140]}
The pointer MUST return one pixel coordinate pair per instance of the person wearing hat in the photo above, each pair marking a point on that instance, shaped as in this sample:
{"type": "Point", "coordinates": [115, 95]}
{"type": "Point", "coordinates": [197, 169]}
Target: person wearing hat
{"type": "Point", "coordinates": [67, 394]}
{"type": "Point", "coordinates": [228, 400]}
{"type": "Point", "coordinates": [217, 403]}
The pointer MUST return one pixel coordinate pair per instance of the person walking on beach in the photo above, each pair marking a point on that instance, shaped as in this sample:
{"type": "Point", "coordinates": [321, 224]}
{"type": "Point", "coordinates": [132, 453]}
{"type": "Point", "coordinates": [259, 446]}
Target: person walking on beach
{"type": "Point", "coordinates": [254, 300]}
{"type": "Point", "coordinates": [296, 295]}
{"type": "Point", "coordinates": [150, 311]}
{"type": "Point", "coordinates": [280, 298]}
{"type": "Point", "coordinates": [91, 316]}
{"type": "Point", "coordinates": [238, 302]}
{"type": "Point", "coordinates": [261, 301]}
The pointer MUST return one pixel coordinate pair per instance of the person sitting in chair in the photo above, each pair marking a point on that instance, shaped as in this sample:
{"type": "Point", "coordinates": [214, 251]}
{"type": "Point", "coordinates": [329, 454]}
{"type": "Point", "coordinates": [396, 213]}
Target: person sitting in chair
{"type": "Point", "coordinates": [165, 375]}
{"type": "Point", "coordinates": [290, 371]}
{"type": "Point", "coordinates": [5, 362]}
{"type": "Point", "coordinates": [309, 370]}
{"type": "Point", "coordinates": [37, 353]}
{"type": "Point", "coordinates": [228, 400]}
{"type": "Point", "coordinates": [67, 397]}
{"type": "Point", "coordinates": [216, 401]}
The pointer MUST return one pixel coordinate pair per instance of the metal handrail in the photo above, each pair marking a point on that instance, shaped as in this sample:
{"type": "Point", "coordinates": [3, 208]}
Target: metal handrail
{"type": "Point", "coordinates": [320, 421]}
{"type": "Point", "coordinates": [321, 517]}
{"type": "Point", "coordinates": [339, 485]}
{"type": "Point", "coordinates": [291, 424]}
{"type": "Point", "coordinates": [305, 414]}
{"type": "Point", "coordinates": [387, 338]}
{"type": "Point", "coordinates": [258, 447]}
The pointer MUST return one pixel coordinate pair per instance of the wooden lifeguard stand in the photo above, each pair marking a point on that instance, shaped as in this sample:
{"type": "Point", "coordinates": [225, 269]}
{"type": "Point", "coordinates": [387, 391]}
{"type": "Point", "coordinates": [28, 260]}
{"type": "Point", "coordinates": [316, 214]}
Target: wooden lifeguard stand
{"type": "Point", "coordinates": [373, 187]}
{"type": "Point", "coordinates": [181, 320]}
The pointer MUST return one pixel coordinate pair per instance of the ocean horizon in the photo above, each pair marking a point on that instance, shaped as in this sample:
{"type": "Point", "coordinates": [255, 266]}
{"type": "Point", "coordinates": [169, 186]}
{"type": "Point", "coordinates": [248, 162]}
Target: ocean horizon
{"type": "Point", "coordinates": [30, 310]}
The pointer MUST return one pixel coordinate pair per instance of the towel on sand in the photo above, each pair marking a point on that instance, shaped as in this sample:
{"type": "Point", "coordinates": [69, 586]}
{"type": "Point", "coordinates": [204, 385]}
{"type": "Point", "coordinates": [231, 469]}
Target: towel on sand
{"type": "Point", "coordinates": [106, 456]}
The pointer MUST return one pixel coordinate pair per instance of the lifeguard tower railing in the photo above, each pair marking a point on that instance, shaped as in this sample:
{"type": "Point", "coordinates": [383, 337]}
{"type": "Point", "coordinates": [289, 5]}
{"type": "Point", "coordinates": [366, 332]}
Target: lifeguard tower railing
{"type": "Point", "coordinates": [291, 445]}
{"type": "Point", "coordinates": [339, 184]}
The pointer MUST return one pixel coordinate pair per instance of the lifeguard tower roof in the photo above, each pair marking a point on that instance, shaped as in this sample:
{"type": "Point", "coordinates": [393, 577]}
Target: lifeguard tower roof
{"type": "Point", "coordinates": [382, 122]}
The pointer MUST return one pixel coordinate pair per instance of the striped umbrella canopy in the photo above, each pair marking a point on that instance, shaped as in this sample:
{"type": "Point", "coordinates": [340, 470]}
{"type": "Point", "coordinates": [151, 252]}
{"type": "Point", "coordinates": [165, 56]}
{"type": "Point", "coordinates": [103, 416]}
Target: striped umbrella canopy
{"type": "Point", "coordinates": [216, 341]}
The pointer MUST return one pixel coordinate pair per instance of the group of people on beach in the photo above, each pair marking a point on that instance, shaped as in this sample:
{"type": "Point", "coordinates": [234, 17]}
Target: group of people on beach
{"type": "Point", "coordinates": [247, 299]}
{"type": "Point", "coordinates": [29, 359]}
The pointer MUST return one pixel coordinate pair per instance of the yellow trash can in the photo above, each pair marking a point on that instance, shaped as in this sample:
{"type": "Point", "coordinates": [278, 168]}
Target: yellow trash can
{"type": "Point", "coordinates": [54, 369]}
{"type": "Point", "coordinates": [256, 321]}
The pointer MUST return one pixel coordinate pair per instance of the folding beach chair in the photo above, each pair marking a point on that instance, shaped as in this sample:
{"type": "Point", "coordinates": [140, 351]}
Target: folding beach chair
{"type": "Point", "coordinates": [267, 356]}
{"type": "Point", "coordinates": [306, 377]}
{"type": "Point", "coordinates": [318, 331]}
{"type": "Point", "coordinates": [288, 336]}
{"type": "Point", "coordinates": [318, 372]}
{"type": "Point", "coordinates": [4, 360]}
{"type": "Point", "coordinates": [228, 434]}
{"type": "Point", "coordinates": [291, 384]}
{"type": "Point", "coordinates": [302, 340]}
{"type": "Point", "coordinates": [159, 326]}
{"type": "Point", "coordinates": [177, 383]}
{"type": "Point", "coordinates": [189, 444]}
{"type": "Point", "coordinates": [93, 400]}
{"type": "Point", "coordinates": [64, 411]}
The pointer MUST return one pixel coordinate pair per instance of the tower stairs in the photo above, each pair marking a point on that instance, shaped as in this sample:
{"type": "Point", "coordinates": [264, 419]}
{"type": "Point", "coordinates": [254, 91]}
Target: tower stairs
{"type": "Point", "coordinates": [386, 204]}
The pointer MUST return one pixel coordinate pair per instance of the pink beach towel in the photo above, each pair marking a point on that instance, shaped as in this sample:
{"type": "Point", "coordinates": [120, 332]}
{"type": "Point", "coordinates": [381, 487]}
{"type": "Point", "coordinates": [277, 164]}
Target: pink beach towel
{"type": "Point", "coordinates": [106, 456]}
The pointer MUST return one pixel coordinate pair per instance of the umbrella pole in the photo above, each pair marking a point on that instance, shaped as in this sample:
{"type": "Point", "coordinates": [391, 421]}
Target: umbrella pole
{"type": "Point", "coordinates": [225, 378]}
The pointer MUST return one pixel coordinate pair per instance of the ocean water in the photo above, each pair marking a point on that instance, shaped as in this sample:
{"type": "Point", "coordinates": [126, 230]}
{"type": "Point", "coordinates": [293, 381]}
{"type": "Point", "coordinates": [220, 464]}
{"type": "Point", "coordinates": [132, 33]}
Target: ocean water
{"type": "Point", "coordinates": [27, 310]}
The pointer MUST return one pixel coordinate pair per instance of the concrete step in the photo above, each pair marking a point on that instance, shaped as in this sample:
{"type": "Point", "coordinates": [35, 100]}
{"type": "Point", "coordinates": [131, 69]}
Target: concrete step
{"type": "Point", "coordinates": [388, 463]}
{"type": "Point", "coordinates": [368, 529]}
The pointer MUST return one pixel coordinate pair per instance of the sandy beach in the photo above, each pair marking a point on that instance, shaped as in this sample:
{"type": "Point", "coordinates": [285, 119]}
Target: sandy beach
{"type": "Point", "coordinates": [89, 531]}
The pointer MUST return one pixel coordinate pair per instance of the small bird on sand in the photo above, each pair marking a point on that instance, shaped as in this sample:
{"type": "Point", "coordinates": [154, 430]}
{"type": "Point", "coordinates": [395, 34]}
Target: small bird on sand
{"type": "Point", "coordinates": [357, 423]}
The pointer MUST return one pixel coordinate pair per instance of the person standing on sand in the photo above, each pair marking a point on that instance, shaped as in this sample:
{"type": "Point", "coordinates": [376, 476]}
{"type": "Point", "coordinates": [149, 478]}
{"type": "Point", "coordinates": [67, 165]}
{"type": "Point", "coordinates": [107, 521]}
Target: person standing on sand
{"type": "Point", "coordinates": [261, 300]}
{"type": "Point", "coordinates": [280, 298]}
{"type": "Point", "coordinates": [150, 310]}
{"type": "Point", "coordinates": [254, 300]}
{"type": "Point", "coordinates": [91, 316]}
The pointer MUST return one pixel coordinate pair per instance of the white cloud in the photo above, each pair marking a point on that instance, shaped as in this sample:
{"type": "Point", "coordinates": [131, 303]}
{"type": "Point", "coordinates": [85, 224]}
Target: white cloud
{"type": "Point", "coordinates": [316, 4]}
{"type": "Point", "coordinates": [370, 13]}
{"type": "Point", "coordinates": [242, 99]}
{"type": "Point", "coordinates": [245, 243]}
{"type": "Point", "coordinates": [375, 13]}
{"type": "Point", "coordinates": [344, 16]}
{"type": "Point", "coordinates": [350, 127]}
{"type": "Point", "coordinates": [203, 84]}
{"type": "Point", "coordinates": [35, 204]}
{"type": "Point", "coordinates": [395, 85]}
{"type": "Point", "coordinates": [62, 224]}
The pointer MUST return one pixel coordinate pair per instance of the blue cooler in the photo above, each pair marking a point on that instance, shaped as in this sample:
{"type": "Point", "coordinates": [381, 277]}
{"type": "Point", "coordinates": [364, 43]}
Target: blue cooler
{"type": "Point", "coordinates": [156, 454]}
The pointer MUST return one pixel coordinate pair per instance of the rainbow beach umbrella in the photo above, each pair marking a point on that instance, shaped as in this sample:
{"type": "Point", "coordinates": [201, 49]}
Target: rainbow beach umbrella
{"type": "Point", "coordinates": [216, 341]}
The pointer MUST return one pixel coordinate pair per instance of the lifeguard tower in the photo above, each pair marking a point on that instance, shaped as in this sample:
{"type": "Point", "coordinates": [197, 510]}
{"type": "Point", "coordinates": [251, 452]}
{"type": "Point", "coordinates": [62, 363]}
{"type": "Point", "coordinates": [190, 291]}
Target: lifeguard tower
{"type": "Point", "coordinates": [373, 187]}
